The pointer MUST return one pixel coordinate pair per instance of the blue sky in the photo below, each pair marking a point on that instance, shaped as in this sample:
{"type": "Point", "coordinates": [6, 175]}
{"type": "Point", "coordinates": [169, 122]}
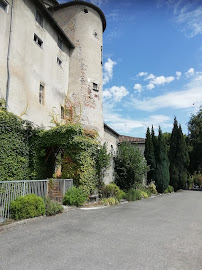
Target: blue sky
{"type": "Point", "coordinates": [152, 68]}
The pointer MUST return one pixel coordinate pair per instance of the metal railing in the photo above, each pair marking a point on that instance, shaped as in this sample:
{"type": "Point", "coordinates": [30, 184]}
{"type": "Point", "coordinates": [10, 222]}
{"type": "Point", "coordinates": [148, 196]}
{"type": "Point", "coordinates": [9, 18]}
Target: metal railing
{"type": "Point", "coordinates": [10, 190]}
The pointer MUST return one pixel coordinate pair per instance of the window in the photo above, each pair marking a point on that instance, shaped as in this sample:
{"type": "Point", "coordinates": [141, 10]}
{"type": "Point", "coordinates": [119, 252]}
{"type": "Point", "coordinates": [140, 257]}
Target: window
{"type": "Point", "coordinates": [38, 41]}
{"type": "Point", "coordinates": [60, 42]}
{"type": "Point", "coordinates": [95, 87]}
{"type": "Point", "coordinates": [85, 10]}
{"type": "Point", "coordinates": [4, 5]}
{"type": "Point", "coordinates": [62, 112]}
{"type": "Point", "coordinates": [59, 61]}
{"type": "Point", "coordinates": [39, 18]}
{"type": "Point", "coordinates": [41, 94]}
{"type": "Point", "coordinates": [101, 54]}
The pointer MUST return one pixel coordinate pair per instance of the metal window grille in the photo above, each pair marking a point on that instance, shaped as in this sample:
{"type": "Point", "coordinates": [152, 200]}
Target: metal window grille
{"type": "Point", "coordinates": [38, 41]}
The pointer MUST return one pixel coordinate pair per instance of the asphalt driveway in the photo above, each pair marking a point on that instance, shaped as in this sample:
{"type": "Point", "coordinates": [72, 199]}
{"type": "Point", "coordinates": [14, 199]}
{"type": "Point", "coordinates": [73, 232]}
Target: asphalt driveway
{"type": "Point", "coordinates": [160, 233]}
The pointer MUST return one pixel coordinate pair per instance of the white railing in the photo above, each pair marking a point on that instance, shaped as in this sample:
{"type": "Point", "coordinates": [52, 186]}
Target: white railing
{"type": "Point", "coordinates": [10, 190]}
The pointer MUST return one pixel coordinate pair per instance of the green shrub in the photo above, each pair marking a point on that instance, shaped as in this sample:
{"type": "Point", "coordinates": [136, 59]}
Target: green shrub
{"type": "Point", "coordinates": [122, 195]}
{"type": "Point", "coordinates": [109, 201]}
{"type": "Point", "coordinates": [28, 206]}
{"type": "Point", "coordinates": [112, 190]}
{"type": "Point", "coordinates": [169, 189]}
{"type": "Point", "coordinates": [133, 194]}
{"type": "Point", "coordinates": [144, 194]}
{"type": "Point", "coordinates": [152, 188]}
{"type": "Point", "coordinates": [52, 208]}
{"type": "Point", "coordinates": [74, 196]}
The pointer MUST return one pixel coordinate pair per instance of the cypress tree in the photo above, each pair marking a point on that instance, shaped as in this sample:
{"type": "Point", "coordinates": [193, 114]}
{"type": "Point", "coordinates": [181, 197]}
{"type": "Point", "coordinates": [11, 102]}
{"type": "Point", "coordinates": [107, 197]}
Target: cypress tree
{"type": "Point", "coordinates": [149, 155]}
{"type": "Point", "coordinates": [162, 164]}
{"type": "Point", "coordinates": [179, 158]}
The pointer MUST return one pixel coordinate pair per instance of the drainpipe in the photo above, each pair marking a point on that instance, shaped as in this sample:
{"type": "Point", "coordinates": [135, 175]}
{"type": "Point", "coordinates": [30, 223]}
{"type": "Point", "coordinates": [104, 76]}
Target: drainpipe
{"type": "Point", "coordinates": [8, 56]}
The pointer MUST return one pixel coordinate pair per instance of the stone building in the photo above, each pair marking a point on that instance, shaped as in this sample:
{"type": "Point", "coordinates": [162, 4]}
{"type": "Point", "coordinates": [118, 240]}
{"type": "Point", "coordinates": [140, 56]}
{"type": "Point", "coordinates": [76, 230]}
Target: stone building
{"type": "Point", "coordinates": [50, 51]}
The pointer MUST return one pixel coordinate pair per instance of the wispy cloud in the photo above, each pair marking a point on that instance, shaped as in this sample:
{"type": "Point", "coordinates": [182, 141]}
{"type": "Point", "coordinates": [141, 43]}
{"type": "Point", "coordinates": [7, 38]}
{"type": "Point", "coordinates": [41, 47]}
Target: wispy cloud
{"type": "Point", "coordinates": [108, 70]}
{"type": "Point", "coordinates": [190, 72]}
{"type": "Point", "coordinates": [116, 93]}
{"type": "Point", "coordinates": [99, 2]}
{"type": "Point", "coordinates": [187, 15]}
{"type": "Point", "coordinates": [178, 74]}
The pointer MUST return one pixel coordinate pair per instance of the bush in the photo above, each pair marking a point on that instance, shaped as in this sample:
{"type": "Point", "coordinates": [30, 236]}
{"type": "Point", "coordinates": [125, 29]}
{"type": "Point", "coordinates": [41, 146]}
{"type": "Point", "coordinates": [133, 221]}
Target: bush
{"type": "Point", "coordinates": [74, 196]}
{"type": "Point", "coordinates": [112, 190]}
{"type": "Point", "coordinates": [28, 206]}
{"type": "Point", "coordinates": [169, 189]}
{"type": "Point", "coordinates": [144, 194]}
{"type": "Point", "coordinates": [52, 208]}
{"type": "Point", "coordinates": [152, 188]}
{"type": "Point", "coordinates": [109, 201]}
{"type": "Point", "coordinates": [133, 194]}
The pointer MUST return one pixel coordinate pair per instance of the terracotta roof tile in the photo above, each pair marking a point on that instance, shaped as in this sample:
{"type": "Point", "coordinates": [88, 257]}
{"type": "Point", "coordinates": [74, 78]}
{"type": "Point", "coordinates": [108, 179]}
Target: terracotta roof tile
{"type": "Point", "coordinates": [131, 139]}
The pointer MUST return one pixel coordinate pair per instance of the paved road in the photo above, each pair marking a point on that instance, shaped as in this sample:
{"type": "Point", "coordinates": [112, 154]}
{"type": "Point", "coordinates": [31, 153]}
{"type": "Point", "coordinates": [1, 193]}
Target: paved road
{"type": "Point", "coordinates": [160, 233]}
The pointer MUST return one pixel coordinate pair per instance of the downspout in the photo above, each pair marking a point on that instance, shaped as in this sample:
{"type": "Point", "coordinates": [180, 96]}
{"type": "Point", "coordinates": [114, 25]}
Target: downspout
{"type": "Point", "coordinates": [8, 56]}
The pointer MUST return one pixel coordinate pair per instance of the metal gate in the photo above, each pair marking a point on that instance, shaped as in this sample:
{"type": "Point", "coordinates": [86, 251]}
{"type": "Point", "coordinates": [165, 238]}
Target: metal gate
{"type": "Point", "coordinates": [10, 190]}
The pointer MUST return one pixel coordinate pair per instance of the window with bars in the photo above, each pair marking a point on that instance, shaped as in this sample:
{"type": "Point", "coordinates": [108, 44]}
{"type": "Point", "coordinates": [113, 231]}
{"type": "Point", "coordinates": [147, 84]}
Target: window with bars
{"type": "Point", "coordinates": [38, 41]}
{"type": "Point", "coordinates": [41, 94]}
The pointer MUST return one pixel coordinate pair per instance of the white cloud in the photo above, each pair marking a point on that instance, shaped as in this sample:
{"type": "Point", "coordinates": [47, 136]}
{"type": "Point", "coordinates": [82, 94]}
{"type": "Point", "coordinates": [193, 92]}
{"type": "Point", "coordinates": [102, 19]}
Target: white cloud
{"type": "Point", "coordinates": [161, 80]}
{"type": "Point", "coordinates": [190, 72]}
{"type": "Point", "coordinates": [150, 86]}
{"type": "Point", "coordinates": [115, 92]}
{"type": "Point", "coordinates": [138, 87]}
{"type": "Point", "coordinates": [108, 70]}
{"type": "Point", "coordinates": [150, 77]}
{"type": "Point", "coordinates": [178, 74]}
{"type": "Point", "coordinates": [141, 74]}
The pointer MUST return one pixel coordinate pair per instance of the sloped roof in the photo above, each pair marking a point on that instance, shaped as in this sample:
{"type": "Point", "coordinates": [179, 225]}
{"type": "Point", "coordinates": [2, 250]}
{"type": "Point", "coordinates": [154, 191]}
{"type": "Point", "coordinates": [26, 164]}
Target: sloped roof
{"type": "Point", "coordinates": [109, 128]}
{"type": "Point", "coordinates": [123, 138]}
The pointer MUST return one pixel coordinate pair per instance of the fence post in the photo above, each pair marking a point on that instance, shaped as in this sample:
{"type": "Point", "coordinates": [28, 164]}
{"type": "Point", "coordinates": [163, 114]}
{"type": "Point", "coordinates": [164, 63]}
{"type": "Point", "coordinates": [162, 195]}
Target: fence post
{"type": "Point", "coordinates": [23, 194]}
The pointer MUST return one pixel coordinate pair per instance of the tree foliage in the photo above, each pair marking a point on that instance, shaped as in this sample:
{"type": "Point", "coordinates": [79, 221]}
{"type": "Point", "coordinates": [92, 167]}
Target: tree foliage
{"type": "Point", "coordinates": [130, 166]}
{"type": "Point", "coordinates": [195, 141]}
{"type": "Point", "coordinates": [149, 155]}
{"type": "Point", "coordinates": [162, 176]}
{"type": "Point", "coordinates": [178, 156]}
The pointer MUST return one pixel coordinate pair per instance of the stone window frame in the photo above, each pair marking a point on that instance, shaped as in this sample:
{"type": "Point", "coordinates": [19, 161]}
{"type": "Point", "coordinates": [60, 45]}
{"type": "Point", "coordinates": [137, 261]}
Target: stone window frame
{"type": "Point", "coordinates": [60, 42]}
{"type": "Point", "coordinates": [59, 62]}
{"type": "Point", "coordinates": [95, 87]}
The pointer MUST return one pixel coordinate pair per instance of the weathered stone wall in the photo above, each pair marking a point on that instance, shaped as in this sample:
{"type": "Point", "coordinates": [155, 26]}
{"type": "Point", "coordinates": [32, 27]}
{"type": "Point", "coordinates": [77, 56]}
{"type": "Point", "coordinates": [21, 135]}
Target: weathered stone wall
{"type": "Point", "coordinates": [31, 65]}
{"type": "Point", "coordinates": [112, 141]}
{"type": "Point", "coordinates": [83, 26]}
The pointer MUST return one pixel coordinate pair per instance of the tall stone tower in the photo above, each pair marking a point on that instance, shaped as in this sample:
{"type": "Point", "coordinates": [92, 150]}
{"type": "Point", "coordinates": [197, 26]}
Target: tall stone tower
{"type": "Point", "coordinates": [84, 23]}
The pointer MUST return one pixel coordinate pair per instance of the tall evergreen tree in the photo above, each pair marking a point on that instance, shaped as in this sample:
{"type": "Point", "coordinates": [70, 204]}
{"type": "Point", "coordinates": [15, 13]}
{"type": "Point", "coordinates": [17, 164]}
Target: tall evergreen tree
{"type": "Point", "coordinates": [162, 175]}
{"type": "Point", "coordinates": [149, 155]}
{"type": "Point", "coordinates": [179, 158]}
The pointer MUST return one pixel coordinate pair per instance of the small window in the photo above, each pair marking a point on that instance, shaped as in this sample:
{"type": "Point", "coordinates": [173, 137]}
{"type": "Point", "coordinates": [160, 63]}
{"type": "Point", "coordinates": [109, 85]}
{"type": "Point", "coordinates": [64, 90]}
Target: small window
{"type": "Point", "coordinates": [101, 54]}
{"type": "Point", "coordinates": [60, 42]}
{"type": "Point", "coordinates": [59, 61]}
{"type": "Point", "coordinates": [62, 112]}
{"type": "Point", "coordinates": [39, 18]}
{"type": "Point", "coordinates": [95, 87]}
{"type": "Point", "coordinates": [41, 94]}
{"type": "Point", "coordinates": [38, 41]}
{"type": "Point", "coordinates": [4, 5]}
{"type": "Point", "coordinates": [85, 10]}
